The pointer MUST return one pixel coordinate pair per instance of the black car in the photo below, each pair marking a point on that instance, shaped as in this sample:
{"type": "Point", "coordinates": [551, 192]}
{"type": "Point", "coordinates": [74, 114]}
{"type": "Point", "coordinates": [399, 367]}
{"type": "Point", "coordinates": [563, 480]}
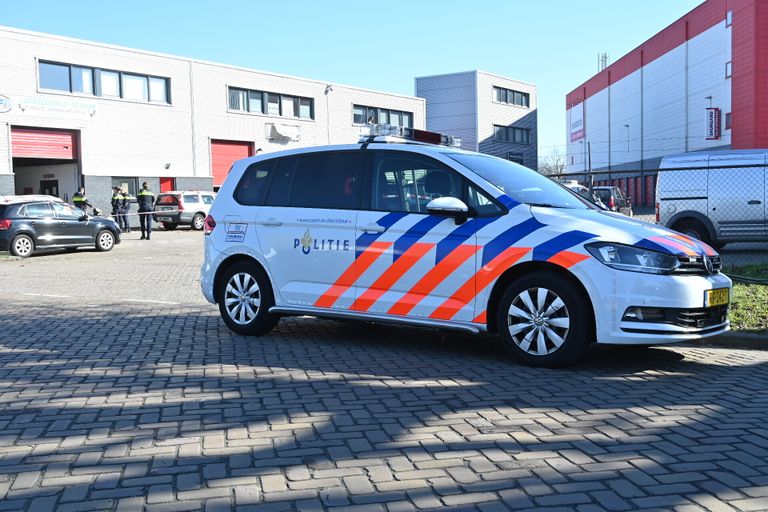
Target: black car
{"type": "Point", "coordinates": [32, 223]}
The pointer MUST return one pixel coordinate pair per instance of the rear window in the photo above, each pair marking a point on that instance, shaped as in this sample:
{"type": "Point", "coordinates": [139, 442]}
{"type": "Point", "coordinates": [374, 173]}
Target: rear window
{"type": "Point", "coordinates": [3, 208]}
{"type": "Point", "coordinates": [167, 199]}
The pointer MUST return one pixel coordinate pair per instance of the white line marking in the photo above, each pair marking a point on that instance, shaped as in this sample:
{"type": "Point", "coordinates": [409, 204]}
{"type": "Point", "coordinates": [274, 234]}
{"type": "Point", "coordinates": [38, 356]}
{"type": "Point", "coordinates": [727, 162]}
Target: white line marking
{"type": "Point", "coordinates": [47, 295]}
{"type": "Point", "coordinates": [151, 301]}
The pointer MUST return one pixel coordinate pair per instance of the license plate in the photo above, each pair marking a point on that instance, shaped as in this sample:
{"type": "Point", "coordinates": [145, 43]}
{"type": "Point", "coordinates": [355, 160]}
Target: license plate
{"type": "Point", "coordinates": [716, 297]}
{"type": "Point", "coordinates": [164, 219]}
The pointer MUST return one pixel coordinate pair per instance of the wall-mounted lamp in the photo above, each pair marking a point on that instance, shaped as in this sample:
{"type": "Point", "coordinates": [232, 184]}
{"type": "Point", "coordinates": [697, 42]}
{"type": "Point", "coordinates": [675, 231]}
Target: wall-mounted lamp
{"type": "Point", "coordinates": [167, 165]}
{"type": "Point", "coordinates": [710, 100]}
{"type": "Point", "coordinates": [259, 151]}
{"type": "Point", "coordinates": [328, 88]}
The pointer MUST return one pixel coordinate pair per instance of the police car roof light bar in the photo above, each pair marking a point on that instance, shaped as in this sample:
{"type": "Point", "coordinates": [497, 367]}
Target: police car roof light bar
{"type": "Point", "coordinates": [392, 133]}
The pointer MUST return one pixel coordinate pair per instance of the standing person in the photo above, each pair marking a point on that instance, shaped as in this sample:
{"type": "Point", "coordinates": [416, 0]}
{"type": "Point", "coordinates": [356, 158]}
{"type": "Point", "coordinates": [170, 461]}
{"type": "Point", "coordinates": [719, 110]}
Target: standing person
{"type": "Point", "coordinates": [117, 201]}
{"type": "Point", "coordinates": [80, 201]}
{"type": "Point", "coordinates": [146, 200]}
{"type": "Point", "coordinates": [125, 206]}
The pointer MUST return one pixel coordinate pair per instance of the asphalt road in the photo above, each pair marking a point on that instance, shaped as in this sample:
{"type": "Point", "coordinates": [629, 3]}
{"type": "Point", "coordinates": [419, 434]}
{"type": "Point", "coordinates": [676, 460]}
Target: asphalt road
{"type": "Point", "coordinates": [120, 388]}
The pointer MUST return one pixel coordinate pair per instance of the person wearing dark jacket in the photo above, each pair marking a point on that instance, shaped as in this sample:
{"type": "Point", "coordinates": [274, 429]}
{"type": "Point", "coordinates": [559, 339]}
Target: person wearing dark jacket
{"type": "Point", "coordinates": [146, 200]}
{"type": "Point", "coordinates": [125, 206]}
{"type": "Point", "coordinates": [117, 202]}
{"type": "Point", "coordinates": [80, 201]}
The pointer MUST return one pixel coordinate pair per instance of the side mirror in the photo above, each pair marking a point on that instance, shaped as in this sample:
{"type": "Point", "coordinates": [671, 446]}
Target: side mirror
{"type": "Point", "coordinates": [449, 207]}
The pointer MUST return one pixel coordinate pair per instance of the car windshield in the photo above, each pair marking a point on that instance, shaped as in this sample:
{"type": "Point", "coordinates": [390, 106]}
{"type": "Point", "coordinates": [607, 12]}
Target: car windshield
{"type": "Point", "coordinates": [521, 183]}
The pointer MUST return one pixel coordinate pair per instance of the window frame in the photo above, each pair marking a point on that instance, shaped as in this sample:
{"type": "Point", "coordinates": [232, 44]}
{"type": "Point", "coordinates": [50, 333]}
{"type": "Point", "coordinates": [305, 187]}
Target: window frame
{"type": "Point", "coordinates": [466, 183]}
{"type": "Point", "coordinates": [266, 96]}
{"type": "Point", "coordinates": [376, 112]}
{"type": "Point", "coordinates": [510, 97]}
{"type": "Point", "coordinates": [509, 134]}
{"type": "Point", "coordinates": [95, 82]}
{"type": "Point", "coordinates": [729, 69]}
{"type": "Point", "coordinates": [361, 170]}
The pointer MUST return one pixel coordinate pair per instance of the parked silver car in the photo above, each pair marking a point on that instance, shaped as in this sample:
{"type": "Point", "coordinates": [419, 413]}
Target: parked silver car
{"type": "Point", "coordinates": [183, 208]}
{"type": "Point", "coordinates": [715, 196]}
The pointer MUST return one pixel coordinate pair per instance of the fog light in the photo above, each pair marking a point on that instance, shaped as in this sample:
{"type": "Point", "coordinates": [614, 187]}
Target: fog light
{"type": "Point", "coordinates": [638, 314]}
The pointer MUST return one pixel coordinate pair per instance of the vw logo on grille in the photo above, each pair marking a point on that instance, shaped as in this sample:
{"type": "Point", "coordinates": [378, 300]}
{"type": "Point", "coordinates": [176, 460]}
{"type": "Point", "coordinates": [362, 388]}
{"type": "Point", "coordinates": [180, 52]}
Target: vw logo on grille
{"type": "Point", "coordinates": [708, 266]}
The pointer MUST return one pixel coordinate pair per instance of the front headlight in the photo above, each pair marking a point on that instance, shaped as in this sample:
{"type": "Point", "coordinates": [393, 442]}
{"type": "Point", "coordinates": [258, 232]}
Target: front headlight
{"type": "Point", "coordinates": [633, 259]}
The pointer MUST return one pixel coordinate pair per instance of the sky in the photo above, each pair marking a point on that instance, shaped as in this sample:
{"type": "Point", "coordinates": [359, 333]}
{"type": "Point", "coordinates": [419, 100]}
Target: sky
{"type": "Point", "coordinates": [381, 45]}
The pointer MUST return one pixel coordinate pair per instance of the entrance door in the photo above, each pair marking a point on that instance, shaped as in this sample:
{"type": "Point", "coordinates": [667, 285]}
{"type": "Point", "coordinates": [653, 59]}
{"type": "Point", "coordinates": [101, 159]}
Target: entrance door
{"type": "Point", "coordinates": [49, 187]}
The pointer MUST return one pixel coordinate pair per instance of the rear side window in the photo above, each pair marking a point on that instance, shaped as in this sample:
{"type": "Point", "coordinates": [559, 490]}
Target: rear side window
{"type": "Point", "coordinates": [253, 185]}
{"type": "Point", "coordinates": [207, 199]}
{"type": "Point", "coordinates": [191, 198]}
{"type": "Point", "coordinates": [3, 208]}
{"type": "Point", "coordinates": [327, 180]}
{"type": "Point", "coordinates": [37, 210]}
{"type": "Point", "coordinates": [167, 199]}
{"type": "Point", "coordinates": [280, 186]}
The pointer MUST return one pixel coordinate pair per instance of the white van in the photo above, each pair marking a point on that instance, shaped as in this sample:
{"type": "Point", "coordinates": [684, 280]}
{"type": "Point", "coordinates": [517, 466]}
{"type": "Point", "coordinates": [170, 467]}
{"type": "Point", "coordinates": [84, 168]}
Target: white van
{"type": "Point", "coordinates": [716, 196]}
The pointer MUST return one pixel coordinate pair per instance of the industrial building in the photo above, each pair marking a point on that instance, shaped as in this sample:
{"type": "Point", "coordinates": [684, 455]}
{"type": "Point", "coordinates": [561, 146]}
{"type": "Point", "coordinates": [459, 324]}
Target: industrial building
{"type": "Point", "coordinates": [492, 114]}
{"type": "Point", "coordinates": [75, 112]}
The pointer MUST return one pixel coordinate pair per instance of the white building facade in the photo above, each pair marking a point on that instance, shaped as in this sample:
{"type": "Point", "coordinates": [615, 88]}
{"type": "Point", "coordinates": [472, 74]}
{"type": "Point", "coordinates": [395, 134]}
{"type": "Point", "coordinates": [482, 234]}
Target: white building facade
{"type": "Point", "coordinates": [492, 114]}
{"type": "Point", "coordinates": [77, 113]}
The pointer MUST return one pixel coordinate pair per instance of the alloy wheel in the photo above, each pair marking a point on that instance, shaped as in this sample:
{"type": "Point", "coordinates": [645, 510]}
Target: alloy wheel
{"type": "Point", "coordinates": [242, 298]}
{"type": "Point", "coordinates": [22, 246]}
{"type": "Point", "coordinates": [538, 321]}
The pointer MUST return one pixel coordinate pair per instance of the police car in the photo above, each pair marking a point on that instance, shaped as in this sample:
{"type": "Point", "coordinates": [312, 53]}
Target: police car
{"type": "Point", "coordinates": [405, 227]}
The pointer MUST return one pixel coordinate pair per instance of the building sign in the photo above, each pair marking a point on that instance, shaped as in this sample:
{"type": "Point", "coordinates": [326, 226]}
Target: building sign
{"type": "Point", "coordinates": [56, 107]}
{"type": "Point", "coordinates": [577, 122]}
{"type": "Point", "coordinates": [713, 124]}
{"type": "Point", "coordinates": [518, 158]}
{"type": "Point", "coordinates": [5, 104]}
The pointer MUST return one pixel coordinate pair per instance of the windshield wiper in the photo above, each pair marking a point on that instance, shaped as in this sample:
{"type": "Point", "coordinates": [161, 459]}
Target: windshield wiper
{"type": "Point", "coordinates": [545, 205]}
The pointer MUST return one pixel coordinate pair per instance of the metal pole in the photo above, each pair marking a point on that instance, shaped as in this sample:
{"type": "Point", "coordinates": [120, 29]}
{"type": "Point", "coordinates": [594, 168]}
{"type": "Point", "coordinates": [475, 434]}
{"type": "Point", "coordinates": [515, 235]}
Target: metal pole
{"type": "Point", "coordinates": [589, 151]}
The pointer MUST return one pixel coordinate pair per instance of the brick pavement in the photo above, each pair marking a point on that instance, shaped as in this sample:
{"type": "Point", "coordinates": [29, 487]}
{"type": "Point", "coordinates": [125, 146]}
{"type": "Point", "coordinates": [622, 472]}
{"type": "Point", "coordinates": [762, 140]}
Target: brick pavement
{"type": "Point", "coordinates": [157, 406]}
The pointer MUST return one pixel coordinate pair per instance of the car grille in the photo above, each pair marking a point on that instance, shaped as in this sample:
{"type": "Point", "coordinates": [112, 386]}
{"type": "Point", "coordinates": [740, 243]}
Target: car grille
{"type": "Point", "coordinates": [695, 265]}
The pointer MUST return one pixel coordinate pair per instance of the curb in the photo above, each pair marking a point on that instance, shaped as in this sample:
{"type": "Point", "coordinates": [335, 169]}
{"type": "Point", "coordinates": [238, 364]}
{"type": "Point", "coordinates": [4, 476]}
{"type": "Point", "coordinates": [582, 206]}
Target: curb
{"type": "Point", "coordinates": [736, 340]}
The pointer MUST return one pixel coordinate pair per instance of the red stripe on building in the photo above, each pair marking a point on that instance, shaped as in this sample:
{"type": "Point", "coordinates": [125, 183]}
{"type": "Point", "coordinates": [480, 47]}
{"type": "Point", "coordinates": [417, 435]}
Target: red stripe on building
{"type": "Point", "coordinates": [700, 19]}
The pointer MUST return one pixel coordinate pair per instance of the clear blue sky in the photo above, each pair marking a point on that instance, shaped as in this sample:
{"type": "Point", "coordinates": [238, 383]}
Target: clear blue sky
{"type": "Point", "coordinates": [378, 45]}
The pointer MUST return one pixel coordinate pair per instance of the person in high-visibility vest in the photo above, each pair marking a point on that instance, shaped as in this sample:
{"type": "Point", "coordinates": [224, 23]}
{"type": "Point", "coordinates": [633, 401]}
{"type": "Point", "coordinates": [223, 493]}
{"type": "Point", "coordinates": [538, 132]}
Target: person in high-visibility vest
{"type": "Point", "coordinates": [80, 201]}
{"type": "Point", "coordinates": [146, 200]}
{"type": "Point", "coordinates": [125, 206]}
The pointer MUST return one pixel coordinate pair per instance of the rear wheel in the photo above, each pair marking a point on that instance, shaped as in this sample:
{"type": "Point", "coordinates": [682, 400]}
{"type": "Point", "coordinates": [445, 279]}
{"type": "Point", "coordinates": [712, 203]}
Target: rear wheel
{"type": "Point", "coordinates": [22, 246]}
{"type": "Point", "coordinates": [695, 229]}
{"type": "Point", "coordinates": [545, 321]}
{"type": "Point", "coordinates": [105, 240]}
{"type": "Point", "coordinates": [198, 221]}
{"type": "Point", "coordinates": [169, 226]}
{"type": "Point", "coordinates": [245, 296]}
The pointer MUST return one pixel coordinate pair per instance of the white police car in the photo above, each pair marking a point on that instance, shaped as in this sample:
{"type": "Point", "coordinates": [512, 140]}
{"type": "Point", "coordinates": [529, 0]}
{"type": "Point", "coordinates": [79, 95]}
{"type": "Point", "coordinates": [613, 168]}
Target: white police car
{"type": "Point", "coordinates": [399, 228]}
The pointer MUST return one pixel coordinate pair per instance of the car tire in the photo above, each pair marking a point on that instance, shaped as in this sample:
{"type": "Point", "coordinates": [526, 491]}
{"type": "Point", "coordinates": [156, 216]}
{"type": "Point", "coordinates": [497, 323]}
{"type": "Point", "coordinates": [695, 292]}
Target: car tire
{"type": "Point", "coordinates": [105, 240]}
{"type": "Point", "coordinates": [22, 246]}
{"type": "Point", "coordinates": [245, 296]}
{"type": "Point", "coordinates": [544, 320]}
{"type": "Point", "coordinates": [169, 226]}
{"type": "Point", "coordinates": [198, 222]}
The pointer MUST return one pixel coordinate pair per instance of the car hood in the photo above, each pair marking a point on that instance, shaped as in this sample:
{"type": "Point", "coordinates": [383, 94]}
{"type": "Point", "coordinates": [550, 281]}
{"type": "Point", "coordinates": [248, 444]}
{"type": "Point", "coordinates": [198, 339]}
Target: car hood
{"type": "Point", "coordinates": [614, 227]}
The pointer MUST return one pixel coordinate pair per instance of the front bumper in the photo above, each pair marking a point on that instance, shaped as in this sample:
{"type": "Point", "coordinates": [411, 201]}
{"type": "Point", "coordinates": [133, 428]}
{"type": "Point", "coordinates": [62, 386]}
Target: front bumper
{"type": "Point", "coordinates": [679, 298]}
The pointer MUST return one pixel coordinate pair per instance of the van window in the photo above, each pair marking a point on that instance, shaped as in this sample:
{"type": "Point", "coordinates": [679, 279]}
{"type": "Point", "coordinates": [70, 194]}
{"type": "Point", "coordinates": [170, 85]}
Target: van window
{"type": "Point", "coordinates": [280, 186]}
{"type": "Point", "coordinates": [252, 188]}
{"type": "Point", "coordinates": [327, 180]}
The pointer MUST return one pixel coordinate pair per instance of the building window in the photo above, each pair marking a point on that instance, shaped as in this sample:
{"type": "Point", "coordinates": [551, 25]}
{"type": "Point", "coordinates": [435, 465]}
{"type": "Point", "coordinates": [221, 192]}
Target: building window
{"type": "Point", "coordinates": [728, 121]}
{"type": "Point", "coordinates": [728, 18]}
{"type": "Point", "coordinates": [510, 97]}
{"type": "Point", "coordinates": [102, 82]}
{"type": "Point", "coordinates": [260, 102]}
{"type": "Point", "coordinates": [511, 134]}
{"type": "Point", "coordinates": [372, 115]}
{"type": "Point", "coordinates": [728, 69]}
{"type": "Point", "coordinates": [128, 184]}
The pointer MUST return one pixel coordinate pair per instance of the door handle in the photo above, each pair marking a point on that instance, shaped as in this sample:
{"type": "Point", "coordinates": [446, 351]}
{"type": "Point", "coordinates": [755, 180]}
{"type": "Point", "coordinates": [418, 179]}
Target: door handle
{"type": "Point", "coordinates": [374, 228]}
{"type": "Point", "coordinates": [270, 222]}
{"type": "Point", "coordinates": [754, 201]}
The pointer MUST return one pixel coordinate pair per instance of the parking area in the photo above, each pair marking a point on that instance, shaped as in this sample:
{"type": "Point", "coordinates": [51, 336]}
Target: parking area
{"type": "Point", "coordinates": [120, 388]}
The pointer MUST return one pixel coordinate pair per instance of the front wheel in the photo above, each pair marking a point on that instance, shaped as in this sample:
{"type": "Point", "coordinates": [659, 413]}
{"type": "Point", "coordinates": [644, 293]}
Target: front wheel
{"type": "Point", "coordinates": [545, 321]}
{"type": "Point", "coordinates": [198, 221]}
{"type": "Point", "coordinates": [105, 240]}
{"type": "Point", "coordinates": [22, 246]}
{"type": "Point", "coordinates": [245, 296]}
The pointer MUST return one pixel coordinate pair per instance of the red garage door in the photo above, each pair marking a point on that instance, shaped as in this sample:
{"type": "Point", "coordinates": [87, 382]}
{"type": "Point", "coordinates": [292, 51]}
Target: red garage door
{"type": "Point", "coordinates": [223, 153]}
{"type": "Point", "coordinates": [43, 143]}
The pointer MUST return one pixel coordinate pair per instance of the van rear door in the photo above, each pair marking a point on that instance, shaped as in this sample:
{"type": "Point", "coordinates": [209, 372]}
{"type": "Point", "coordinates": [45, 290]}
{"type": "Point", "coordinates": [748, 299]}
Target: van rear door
{"type": "Point", "coordinates": [737, 196]}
